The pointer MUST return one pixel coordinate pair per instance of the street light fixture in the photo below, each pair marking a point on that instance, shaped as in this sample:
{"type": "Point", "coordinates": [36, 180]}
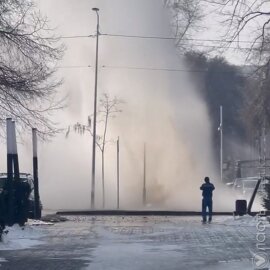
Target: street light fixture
{"type": "Point", "coordinates": [95, 119]}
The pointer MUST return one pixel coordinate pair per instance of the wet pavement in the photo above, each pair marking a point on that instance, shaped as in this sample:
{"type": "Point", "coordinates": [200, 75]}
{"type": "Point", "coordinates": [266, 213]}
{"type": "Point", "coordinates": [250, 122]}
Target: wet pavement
{"type": "Point", "coordinates": [115, 242]}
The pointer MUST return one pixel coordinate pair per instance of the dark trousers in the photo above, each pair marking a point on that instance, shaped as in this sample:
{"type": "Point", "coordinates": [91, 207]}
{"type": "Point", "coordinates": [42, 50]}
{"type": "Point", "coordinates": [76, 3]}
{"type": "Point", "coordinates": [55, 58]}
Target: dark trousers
{"type": "Point", "coordinates": [207, 203]}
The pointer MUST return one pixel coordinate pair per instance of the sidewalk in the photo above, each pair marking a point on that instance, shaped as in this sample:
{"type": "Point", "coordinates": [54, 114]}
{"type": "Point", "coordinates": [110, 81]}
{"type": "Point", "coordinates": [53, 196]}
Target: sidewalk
{"type": "Point", "coordinates": [174, 243]}
{"type": "Point", "coordinates": [139, 243]}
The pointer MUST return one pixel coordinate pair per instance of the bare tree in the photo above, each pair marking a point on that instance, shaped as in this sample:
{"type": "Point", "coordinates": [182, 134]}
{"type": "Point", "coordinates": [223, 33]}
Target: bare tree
{"type": "Point", "coordinates": [186, 15]}
{"type": "Point", "coordinates": [108, 108]}
{"type": "Point", "coordinates": [247, 21]}
{"type": "Point", "coordinates": [247, 28]}
{"type": "Point", "coordinates": [28, 55]}
{"type": "Point", "coordinates": [256, 110]}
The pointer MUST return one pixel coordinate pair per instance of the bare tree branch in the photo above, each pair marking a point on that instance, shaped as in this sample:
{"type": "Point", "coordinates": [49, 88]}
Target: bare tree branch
{"type": "Point", "coordinates": [108, 108]}
{"type": "Point", "coordinates": [247, 18]}
{"type": "Point", "coordinates": [28, 55]}
{"type": "Point", "coordinates": [186, 14]}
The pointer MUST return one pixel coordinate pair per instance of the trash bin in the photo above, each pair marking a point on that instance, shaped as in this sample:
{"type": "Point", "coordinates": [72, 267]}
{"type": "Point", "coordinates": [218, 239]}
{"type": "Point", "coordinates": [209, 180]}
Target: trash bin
{"type": "Point", "coordinates": [240, 207]}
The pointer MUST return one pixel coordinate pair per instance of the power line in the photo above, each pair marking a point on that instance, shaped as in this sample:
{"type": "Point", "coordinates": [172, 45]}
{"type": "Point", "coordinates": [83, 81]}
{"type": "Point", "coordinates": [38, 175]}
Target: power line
{"type": "Point", "coordinates": [173, 38]}
{"type": "Point", "coordinates": [166, 69]}
{"type": "Point", "coordinates": [153, 69]}
{"type": "Point", "coordinates": [159, 37]}
{"type": "Point", "coordinates": [80, 66]}
{"type": "Point", "coordinates": [135, 36]}
{"type": "Point", "coordinates": [183, 44]}
{"type": "Point", "coordinates": [221, 47]}
{"type": "Point", "coordinates": [77, 36]}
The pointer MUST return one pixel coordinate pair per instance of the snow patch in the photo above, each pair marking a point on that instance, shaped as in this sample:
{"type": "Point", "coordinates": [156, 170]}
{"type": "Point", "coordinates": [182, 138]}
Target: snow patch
{"type": "Point", "coordinates": [244, 221]}
{"type": "Point", "coordinates": [20, 238]}
{"type": "Point", "coordinates": [34, 222]}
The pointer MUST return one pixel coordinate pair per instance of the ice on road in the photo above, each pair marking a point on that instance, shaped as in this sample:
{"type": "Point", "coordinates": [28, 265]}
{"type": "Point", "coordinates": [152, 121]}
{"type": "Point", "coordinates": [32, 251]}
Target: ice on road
{"type": "Point", "coordinates": [134, 243]}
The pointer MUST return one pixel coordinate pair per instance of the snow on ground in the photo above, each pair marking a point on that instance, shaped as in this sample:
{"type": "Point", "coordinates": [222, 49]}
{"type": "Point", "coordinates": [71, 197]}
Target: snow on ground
{"type": "Point", "coordinates": [135, 242]}
{"type": "Point", "coordinates": [34, 222]}
{"type": "Point", "coordinates": [129, 243]}
{"type": "Point", "coordinates": [242, 221]}
{"type": "Point", "coordinates": [21, 238]}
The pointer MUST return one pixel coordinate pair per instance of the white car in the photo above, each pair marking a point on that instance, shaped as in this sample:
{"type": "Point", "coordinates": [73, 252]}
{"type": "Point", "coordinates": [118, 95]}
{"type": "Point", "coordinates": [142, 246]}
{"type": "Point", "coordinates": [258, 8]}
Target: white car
{"type": "Point", "coordinates": [246, 185]}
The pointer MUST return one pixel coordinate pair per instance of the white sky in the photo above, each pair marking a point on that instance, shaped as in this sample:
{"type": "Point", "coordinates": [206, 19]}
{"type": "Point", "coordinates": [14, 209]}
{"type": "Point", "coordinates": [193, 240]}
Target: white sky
{"type": "Point", "coordinates": [123, 21]}
{"type": "Point", "coordinates": [145, 92]}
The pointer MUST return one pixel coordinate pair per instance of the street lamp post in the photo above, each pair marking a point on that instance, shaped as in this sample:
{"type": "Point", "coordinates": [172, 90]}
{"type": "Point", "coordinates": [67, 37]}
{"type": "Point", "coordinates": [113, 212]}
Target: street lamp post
{"type": "Point", "coordinates": [118, 176]}
{"type": "Point", "coordinates": [221, 143]}
{"type": "Point", "coordinates": [95, 119]}
{"type": "Point", "coordinates": [144, 174]}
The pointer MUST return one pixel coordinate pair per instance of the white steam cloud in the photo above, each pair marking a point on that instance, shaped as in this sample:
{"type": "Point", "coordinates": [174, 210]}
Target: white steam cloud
{"type": "Point", "coordinates": [162, 109]}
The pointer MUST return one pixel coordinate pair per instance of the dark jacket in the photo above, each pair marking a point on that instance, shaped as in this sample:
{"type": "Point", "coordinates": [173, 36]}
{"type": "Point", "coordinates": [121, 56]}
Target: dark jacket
{"type": "Point", "coordinates": [207, 190]}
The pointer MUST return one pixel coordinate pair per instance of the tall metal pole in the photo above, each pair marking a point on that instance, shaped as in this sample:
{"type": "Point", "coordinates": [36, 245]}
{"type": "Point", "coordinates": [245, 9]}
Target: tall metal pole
{"type": "Point", "coordinates": [18, 213]}
{"type": "Point", "coordinates": [221, 143]}
{"type": "Point", "coordinates": [144, 175]}
{"type": "Point", "coordinates": [95, 120]}
{"type": "Point", "coordinates": [10, 182]}
{"type": "Point", "coordinates": [118, 193]}
{"type": "Point", "coordinates": [16, 169]}
{"type": "Point", "coordinates": [37, 210]}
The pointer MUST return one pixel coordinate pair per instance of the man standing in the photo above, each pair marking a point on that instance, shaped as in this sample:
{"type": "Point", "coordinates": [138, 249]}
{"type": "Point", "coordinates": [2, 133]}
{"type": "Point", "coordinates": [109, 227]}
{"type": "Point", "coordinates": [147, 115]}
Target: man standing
{"type": "Point", "coordinates": [207, 202]}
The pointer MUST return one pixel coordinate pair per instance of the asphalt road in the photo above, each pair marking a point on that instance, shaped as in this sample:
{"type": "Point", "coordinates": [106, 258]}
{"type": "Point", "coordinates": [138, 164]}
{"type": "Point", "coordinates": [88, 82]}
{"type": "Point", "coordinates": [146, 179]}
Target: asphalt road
{"type": "Point", "coordinates": [136, 243]}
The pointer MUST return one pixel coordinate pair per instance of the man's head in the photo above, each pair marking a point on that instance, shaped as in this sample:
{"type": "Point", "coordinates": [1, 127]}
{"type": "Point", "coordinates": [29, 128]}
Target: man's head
{"type": "Point", "coordinates": [206, 179]}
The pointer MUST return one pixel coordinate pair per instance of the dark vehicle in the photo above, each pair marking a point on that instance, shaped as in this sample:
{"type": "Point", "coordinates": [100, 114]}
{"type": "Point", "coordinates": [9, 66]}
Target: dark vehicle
{"type": "Point", "coordinates": [26, 178]}
{"type": "Point", "coordinates": [31, 212]}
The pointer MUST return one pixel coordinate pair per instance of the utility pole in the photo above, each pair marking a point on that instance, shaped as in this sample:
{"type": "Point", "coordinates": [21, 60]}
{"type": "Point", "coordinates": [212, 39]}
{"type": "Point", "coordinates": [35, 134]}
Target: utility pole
{"type": "Point", "coordinates": [95, 120]}
{"type": "Point", "coordinates": [221, 143]}
{"type": "Point", "coordinates": [37, 210]}
{"type": "Point", "coordinates": [144, 174]}
{"type": "Point", "coordinates": [263, 152]}
{"type": "Point", "coordinates": [10, 176]}
{"type": "Point", "coordinates": [13, 174]}
{"type": "Point", "coordinates": [118, 193]}
{"type": "Point", "coordinates": [15, 154]}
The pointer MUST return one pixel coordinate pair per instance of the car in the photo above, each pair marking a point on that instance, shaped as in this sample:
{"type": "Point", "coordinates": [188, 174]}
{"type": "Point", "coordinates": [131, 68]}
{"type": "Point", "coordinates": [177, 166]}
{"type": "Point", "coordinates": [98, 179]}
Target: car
{"type": "Point", "coordinates": [28, 178]}
{"type": "Point", "coordinates": [246, 185]}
